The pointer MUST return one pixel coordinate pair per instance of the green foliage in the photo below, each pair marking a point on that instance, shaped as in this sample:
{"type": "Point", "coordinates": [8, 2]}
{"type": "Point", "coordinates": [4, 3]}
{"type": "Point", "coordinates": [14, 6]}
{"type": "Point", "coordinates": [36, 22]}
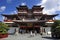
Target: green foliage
{"type": "Point", "coordinates": [3, 28]}
{"type": "Point", "coordinates": [56, 23]}
{"type": "Point", "coordinates": [56, 27]}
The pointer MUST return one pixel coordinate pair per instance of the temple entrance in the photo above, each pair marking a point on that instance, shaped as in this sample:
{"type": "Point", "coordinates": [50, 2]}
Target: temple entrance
{"type": "Point", "coordinates": [28, 27]}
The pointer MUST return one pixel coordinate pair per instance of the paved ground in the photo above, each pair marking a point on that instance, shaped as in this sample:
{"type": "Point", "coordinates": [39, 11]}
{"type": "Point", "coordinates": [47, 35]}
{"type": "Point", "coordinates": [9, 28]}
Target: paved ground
{"type": "Point", "coordinates": [28, 37]}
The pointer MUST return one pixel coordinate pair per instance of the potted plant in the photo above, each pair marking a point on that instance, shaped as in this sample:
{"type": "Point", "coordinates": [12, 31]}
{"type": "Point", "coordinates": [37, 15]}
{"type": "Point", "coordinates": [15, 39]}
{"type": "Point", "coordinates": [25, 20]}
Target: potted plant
{"type": "Point", "coordinates": [3, 30]}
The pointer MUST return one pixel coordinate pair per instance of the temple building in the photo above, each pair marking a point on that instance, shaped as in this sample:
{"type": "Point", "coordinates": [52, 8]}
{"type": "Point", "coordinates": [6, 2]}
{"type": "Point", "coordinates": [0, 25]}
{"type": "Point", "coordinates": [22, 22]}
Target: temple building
{"type": "Point", "coordinates": [29, 19]}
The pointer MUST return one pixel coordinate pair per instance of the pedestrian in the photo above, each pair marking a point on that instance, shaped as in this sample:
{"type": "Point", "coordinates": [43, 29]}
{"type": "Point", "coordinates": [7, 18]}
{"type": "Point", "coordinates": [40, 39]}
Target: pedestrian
{"type": "Point", "coordinates": [41, 34]}
{"type": "Point", "coordinates": [44, 30]}
{"type": "Point", "coordinates": [32, 34]}
{"type": "Point", "coordinates": [16, 33]}
{"type": "Point", "coordinates": [35, 32]}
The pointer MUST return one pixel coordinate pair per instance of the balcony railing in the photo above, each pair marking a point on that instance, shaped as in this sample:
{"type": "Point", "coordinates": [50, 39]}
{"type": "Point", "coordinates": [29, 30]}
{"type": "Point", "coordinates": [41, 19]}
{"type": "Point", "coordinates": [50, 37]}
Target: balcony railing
{"type": "Point", "coordinates": [36, 26]}
{"type": "Point", "coordinates": [22, 26]}
{"type": "Point", "coordinates": [37, 12]}
{"type": "Point", "coordinates": [7, 20]}
{"type": "Point", "coordinates": [22, 12]}
{"type": "Point", "coordinates": [50, 21]}
{"type": "Point", "coordinates": [30, 20]}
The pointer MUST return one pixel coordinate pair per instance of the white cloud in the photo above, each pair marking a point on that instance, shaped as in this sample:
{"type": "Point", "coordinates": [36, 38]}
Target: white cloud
{"type": "Point", "coordinates": [42, 2]}
{"type": "Point", "coordinates": [58, 8]}
{"type": "Point", "coordinates": [51, 6]}
{"type": "Point", "coordinates": [2, 8]}
{"type": "Point", "coordinates": [14, 12]}
{"type": "Point", "coordinates": [23, 3]}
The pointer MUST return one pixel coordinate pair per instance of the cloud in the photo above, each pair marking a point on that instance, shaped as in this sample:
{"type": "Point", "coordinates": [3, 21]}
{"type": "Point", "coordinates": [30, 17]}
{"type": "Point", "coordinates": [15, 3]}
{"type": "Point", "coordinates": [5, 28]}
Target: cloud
{"type": "Point", "coordinates": [13, 12]}
{"type": "Point", "coordinates": [2, 8]}
{"type": "Point", "coordinates": [51, 6]}
{"type": "Point", "coordinates": [58, 8]}
{"type": "Point", "coordinates": [23, 3]}
{"type": "Point", "coordinates": [42, 2]}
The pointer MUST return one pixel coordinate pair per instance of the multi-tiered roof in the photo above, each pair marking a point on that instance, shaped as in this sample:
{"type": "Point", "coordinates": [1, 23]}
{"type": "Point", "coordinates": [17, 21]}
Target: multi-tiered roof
{"type": "Point", "coordinates": [25, 14]}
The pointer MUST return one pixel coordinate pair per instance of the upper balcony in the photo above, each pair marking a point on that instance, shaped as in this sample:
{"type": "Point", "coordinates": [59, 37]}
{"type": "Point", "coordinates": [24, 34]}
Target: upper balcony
{"type": "Point", "coordinates": [8, 21]}
{"type": "Point", "coordinates": [22, 12]}
{"type": "Point", "coordinates": [30, 20]}
{"type": "Point", "coordinates": [39, 7]}
{"type": "Point", "coordinates": [37, 11]}
{"type": "Point", "coordinates": [50, 21]}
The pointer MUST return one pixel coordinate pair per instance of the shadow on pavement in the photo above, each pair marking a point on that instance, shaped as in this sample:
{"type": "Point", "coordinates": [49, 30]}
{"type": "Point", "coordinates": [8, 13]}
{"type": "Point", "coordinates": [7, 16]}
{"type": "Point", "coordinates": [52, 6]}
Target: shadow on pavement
{"type": "Point", "coordinates": [51, 38]}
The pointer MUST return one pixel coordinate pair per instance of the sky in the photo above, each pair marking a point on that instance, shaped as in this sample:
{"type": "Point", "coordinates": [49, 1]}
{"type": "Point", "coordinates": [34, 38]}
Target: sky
{"type": "Point", "coordinates": [50, 6]}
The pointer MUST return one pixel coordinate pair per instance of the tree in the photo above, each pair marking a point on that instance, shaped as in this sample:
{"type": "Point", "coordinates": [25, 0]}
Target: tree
{"type": "Point", "coordinates": [55, 29]}
{"type": "Point", "coordinates": [3, 28]}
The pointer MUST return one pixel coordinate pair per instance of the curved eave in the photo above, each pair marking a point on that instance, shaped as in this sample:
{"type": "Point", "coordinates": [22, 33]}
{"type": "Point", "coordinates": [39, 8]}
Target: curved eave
{"type": "Point", "coordinates": [6, 15]}
{"type": "Point", "coordinates": [51, 15]}
{"type": "Point", "coordinates": [22, 6]}
{"type": "Point", "coordinates": [17, 8]}
{"type": "Point", "coordinates": [42, 8]}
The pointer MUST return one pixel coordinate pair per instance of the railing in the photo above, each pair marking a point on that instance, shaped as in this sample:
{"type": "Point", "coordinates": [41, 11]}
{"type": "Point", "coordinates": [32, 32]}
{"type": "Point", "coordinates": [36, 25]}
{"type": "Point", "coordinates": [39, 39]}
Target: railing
{"type": "Point", "coordinates": [36, 26]}
{"type": "Point", "coordinates": [30, 20]}
{"type": "Point", "coordinates": [29, 26]}
{"type": "Point", "coordinates": [23, 26]}
{"type": "Point", "coordinates": [50, 21]}
{"type": "Point", "coordinates": [22, 12]}
{"type": "Point", "coordinates": [37, 12]}
{"type": "Point", "coordinates": [7, 20]}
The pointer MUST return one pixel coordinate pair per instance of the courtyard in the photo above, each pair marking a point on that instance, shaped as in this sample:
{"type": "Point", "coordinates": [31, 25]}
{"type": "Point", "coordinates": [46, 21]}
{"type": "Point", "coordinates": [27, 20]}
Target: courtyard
{"type": "Point", "coordinates": [28, 37]}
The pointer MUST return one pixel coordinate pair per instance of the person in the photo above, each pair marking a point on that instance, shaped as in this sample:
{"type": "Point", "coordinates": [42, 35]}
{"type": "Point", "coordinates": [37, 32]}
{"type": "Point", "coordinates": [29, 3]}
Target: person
{"type": "Point", "coordinates": [44, 30]}
{"type": "Point", "coordinates": [35, 32]}
{"type": "Point", "coordinates": [16, 31]}
{"type": "Point", "coordinates": [41, 34]}
{"type": "Point", "coordinates": [32, 34]}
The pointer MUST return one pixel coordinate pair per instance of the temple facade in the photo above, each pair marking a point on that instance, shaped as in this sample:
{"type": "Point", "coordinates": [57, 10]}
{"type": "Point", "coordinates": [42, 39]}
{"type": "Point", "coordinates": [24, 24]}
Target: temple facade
{"type": "Point", "coordinates": [29, 19]}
